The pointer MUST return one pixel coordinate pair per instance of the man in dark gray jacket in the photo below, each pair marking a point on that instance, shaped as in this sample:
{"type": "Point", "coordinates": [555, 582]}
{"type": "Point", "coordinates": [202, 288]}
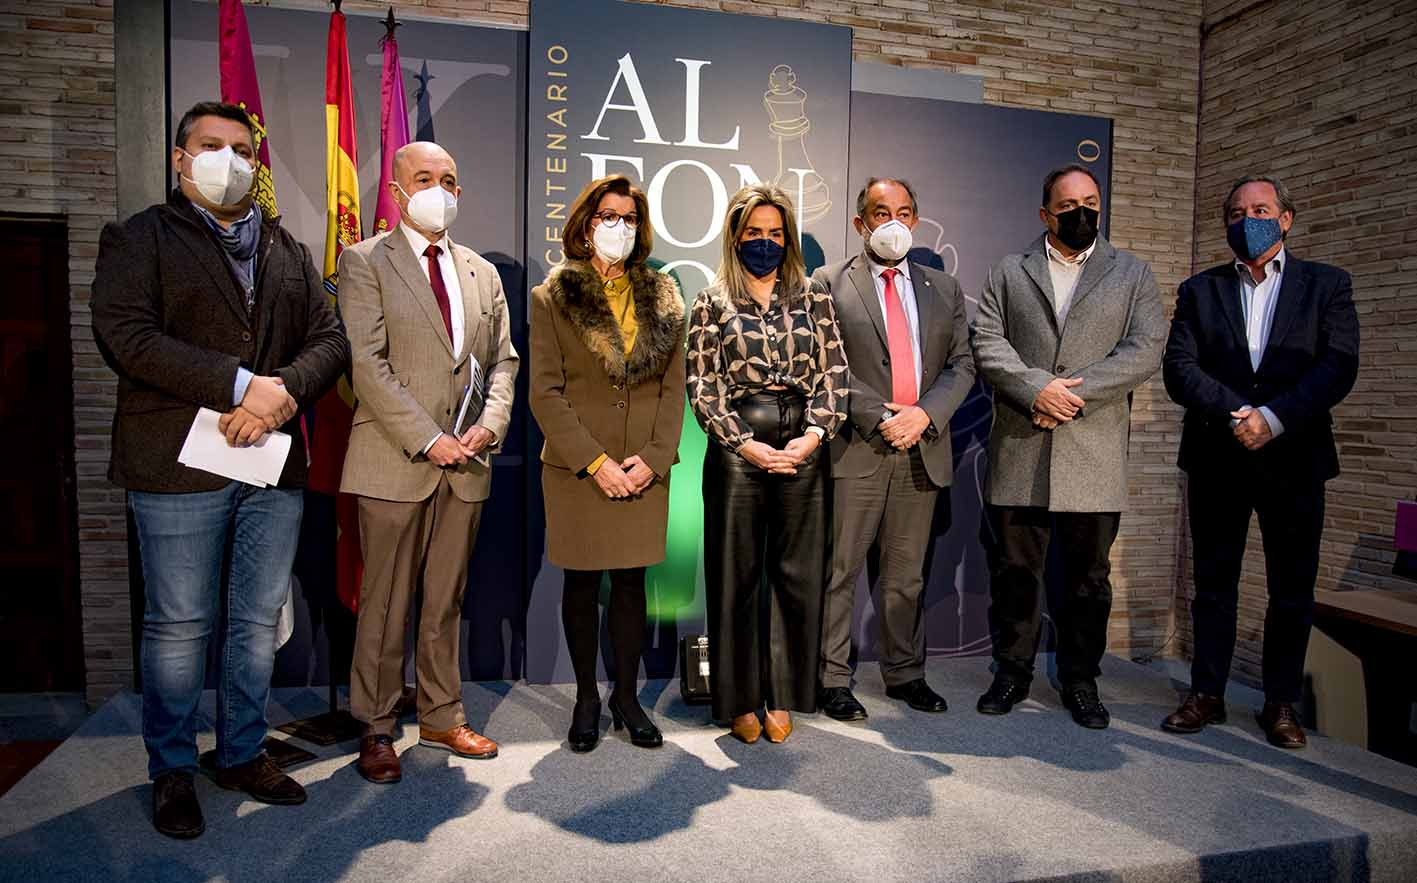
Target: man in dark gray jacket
{"type": "Point", "coordinates": [906, 336]}
{"type": "Point", "coordinates": [1065, 331]}
{"type": "Point", "coordinates": [202, 302]}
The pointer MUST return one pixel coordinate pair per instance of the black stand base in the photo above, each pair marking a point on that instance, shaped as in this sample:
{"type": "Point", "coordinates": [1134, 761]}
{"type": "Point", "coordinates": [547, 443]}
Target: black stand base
{"type": "Point", "coordinates": [325, 729]}
{"type": "Point", "coordinates": [281, 752]}
{"type": "Point", "coordinates": [339, 726]}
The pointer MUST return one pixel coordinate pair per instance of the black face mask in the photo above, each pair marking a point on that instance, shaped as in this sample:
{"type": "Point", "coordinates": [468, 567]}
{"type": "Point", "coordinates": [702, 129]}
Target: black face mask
{"type": "Point", "coordinates": [1077, 228]}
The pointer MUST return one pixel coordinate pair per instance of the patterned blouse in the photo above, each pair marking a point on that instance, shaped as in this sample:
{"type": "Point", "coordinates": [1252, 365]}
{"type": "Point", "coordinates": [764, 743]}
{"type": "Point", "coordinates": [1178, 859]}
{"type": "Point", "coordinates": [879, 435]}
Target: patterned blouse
{"type": "Point", "coordinates": [736, 350]}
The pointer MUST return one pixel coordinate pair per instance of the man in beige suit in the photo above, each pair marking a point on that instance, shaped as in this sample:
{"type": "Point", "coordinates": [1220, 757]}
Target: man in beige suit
{"type": "Point", "coordinates": [425, 316]}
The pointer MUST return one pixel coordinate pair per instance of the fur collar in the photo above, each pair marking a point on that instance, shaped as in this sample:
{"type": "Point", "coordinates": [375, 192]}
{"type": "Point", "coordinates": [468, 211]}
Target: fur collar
{"type": "Point", "coordinates": [576, 288]}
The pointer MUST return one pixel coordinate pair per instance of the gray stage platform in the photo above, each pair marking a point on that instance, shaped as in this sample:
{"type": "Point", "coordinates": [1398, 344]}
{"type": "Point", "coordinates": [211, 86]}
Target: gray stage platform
{"type": "Point", "coordinates": [904, 796]}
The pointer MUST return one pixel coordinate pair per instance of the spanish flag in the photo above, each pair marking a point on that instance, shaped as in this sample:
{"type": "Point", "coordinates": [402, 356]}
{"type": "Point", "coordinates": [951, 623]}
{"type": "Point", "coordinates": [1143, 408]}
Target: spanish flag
{"type": "Point", "coordinates": [341, 156]}
{"type": "Point", "coordinates": [239, 87]}
{"type": "Point", "coordinates": [334, 412]}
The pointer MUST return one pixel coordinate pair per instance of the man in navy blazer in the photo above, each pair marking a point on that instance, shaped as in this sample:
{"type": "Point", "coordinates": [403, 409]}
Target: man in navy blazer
{"type": "Point", "coordinates": [1261, 349]}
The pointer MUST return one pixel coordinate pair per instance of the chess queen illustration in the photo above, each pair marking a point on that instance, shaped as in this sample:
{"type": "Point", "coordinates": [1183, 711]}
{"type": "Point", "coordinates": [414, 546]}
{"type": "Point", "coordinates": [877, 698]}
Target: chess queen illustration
{"type": "Point", "coordinates": [786, 104]}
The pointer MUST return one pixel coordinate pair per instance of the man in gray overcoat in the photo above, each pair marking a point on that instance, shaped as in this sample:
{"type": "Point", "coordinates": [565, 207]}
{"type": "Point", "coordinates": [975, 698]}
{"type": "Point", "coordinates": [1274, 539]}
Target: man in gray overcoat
{"type": "Point", "coordinates": [1064, 332]}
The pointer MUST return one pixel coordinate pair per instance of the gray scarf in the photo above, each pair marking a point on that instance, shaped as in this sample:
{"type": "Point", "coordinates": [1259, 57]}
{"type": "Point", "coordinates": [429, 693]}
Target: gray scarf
{"type": "Point", "coordinates": [239, 242]}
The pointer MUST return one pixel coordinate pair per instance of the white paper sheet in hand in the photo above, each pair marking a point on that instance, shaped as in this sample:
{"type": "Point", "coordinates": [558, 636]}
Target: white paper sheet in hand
{"type": "Point", "coordinates": [206, 449]}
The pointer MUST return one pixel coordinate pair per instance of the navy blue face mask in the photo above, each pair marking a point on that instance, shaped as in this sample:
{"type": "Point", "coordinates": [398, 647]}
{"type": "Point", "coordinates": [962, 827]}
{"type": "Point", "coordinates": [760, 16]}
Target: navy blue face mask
{"type": "Point", "coordinates": [1251, 237]}
{"type": "Point", "coordinates": [761, 256]}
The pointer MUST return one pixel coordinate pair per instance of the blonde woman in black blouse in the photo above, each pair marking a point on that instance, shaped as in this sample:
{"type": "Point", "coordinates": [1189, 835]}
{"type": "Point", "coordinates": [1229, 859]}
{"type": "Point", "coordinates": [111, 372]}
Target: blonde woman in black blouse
{"type": "Point", "coordinates": [767, 381]}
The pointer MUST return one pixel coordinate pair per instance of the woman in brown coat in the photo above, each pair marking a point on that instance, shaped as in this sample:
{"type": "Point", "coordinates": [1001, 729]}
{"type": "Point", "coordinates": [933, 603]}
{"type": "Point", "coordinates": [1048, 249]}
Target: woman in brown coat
{"type": "Point", "coordinates": [607, 388]}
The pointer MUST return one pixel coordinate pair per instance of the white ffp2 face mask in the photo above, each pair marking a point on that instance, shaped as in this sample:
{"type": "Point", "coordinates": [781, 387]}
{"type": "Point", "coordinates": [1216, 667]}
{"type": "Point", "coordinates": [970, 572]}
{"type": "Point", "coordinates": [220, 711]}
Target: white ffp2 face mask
{"type": "Point", "coordinates": [221, 176]}
{"type": "Point", "coordinates": [891, 241]}
{"type": "Point", "coordinates": [613, 243]}
{"type": "Point", "coordinates": [432, 208]}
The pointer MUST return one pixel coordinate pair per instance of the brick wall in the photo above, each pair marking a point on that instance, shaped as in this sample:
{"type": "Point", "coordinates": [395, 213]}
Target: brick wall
{"type": "Point", "coordinates": [1136, 62]}
{"type": "Point", "coordinates": [1324, 96]}
{"type": "Point", "coordinates": [57, 157]}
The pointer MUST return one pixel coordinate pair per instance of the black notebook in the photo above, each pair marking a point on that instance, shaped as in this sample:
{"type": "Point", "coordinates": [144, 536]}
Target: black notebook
{"type": "Point", "coordinates": [474, 397]}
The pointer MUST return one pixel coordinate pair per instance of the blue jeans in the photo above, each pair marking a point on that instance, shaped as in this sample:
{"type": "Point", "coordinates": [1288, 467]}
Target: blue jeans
{"type": "Point", "coordinates": [183, 540]}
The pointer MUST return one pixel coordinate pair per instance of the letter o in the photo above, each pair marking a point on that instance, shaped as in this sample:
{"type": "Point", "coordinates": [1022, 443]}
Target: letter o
{"type": "Point", "coordinates": [1089, 150]}
{"type": "Point", "coordinates": [557, 54]}
{"type": "Point", "coordinates": [656, 203]}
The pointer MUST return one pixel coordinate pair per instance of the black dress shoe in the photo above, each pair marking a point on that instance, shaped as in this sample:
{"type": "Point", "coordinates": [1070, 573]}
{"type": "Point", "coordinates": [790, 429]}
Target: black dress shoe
{"type": "Point", "coordinates": [585, 726]}
{"type": "Point", "coordinates": [263, 780]}
{"type": "Point", "coordinates": [918, 695]}
{"type": "Point", "coordinates": [839, 704]}
{"type": "Point", "coordinates": [643, 732]}
{"type": "Point", "coordinates": [1002, 696]}
{"type": "Point", "coordinates": [176, 811]}
{"type": "Point", "coordinates": [1088, 710]}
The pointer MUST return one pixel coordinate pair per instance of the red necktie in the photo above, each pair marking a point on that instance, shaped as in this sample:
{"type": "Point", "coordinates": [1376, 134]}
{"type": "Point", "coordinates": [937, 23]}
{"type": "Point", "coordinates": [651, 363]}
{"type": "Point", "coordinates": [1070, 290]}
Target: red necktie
{"type": "Point", "coordinates": [440, 291]}
{"type": "Point", "coordinates": [904, 386]}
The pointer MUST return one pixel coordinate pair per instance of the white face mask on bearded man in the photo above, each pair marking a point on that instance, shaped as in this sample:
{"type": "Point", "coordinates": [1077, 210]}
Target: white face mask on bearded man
{"type": "Point", "coordinates": [223, 177]}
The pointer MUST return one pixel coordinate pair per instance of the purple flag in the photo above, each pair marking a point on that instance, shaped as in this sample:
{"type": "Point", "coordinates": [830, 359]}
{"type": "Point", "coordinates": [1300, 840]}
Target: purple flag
{"type": "Point", "coordinates": [393, 132]}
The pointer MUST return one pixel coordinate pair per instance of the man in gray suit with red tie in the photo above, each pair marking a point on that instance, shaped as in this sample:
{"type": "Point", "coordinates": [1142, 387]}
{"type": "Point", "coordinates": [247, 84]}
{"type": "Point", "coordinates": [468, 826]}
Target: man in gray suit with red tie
{"type": "Point", "coordinates": [426, 316]}
{"type": "Point", "coordinates": [906, 336]}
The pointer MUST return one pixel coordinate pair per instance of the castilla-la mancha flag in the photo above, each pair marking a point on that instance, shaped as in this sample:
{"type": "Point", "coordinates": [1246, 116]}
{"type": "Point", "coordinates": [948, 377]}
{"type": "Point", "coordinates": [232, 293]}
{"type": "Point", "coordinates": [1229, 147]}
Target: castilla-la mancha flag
{"type": "Point", "coordinates": [239, 87]}
{"type": "Point", "coordinates": [335, 410]}
{"type": "Point", "coordinates": [393, 133]}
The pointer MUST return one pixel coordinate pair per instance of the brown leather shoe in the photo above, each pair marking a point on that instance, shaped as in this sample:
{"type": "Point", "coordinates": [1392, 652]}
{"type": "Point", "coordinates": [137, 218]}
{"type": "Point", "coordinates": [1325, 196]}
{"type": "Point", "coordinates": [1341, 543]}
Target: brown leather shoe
{"type": "Point", "coordinates": [263, 780]}
{"type": "Point", "coordinates": [176, 811]}
{"type": "Point", "coordinates": [1195, 713]}
{"type": "Point", "coordinates": [746, 728]}
{"type": "Point", "coordinates": [777, 725]}
{"type": "Point", "coordinates": [1281, 725]}
{"type": "Point", "coordinates": [378, 762]}
{"type": "Point", "coordinates": [460, 740]}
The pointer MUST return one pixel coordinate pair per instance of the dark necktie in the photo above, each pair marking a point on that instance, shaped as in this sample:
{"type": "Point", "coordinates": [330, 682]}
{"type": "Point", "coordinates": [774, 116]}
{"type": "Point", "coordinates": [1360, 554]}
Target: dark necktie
{"type": "Point", "coordinates": [440, 291]}
{"type": "Point", "coordinates": [904, 384]}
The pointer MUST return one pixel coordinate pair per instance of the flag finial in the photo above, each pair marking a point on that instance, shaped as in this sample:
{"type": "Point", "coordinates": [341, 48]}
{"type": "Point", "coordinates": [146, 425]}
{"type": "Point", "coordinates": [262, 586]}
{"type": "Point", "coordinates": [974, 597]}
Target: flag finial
{"type": "Point", "coordinates": [389, 24]}
{"type": "Point", "coordinates": [337, 4]}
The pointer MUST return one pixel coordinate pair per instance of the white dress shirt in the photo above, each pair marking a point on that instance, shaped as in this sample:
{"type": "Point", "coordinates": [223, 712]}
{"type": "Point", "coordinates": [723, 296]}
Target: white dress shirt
{"type": "Point", "coordinates": [905, 289]}
{"type": "Point", "coordinates": [449, 269]}
{"type": "Point", "coordinates": [1257, 302]}
{"type": "Point", "coordinates": [1064, 273]}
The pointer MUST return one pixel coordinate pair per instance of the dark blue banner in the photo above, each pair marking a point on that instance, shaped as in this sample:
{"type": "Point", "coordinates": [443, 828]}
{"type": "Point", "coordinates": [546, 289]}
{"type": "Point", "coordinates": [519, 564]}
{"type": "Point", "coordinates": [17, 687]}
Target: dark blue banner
{"type": "Point", "coordinates": [691, 106]}
{"type": "Point", "coordinates": [978, 173]}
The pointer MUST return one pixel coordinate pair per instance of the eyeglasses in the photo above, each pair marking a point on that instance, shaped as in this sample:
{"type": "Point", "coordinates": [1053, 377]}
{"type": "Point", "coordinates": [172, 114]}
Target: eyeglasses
{"type": "Point", "coordinates": [610, 219]}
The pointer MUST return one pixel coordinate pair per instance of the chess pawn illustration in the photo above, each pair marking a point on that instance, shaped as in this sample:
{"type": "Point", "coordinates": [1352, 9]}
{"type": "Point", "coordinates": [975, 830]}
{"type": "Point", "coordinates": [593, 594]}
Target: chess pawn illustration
{"type": "Point", "coordinates": [786, 104]}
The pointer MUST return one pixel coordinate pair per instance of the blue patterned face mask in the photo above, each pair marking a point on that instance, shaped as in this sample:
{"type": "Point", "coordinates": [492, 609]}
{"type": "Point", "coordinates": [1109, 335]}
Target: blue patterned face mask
{"type": "Point", "coordinates": [761, 256]}
{"type": "Point", "coordinates": [1251, 237]}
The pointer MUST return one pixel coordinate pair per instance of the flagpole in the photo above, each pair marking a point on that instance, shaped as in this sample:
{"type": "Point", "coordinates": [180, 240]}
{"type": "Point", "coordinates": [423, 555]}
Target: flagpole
{"type": "Point", "coordinates": [333, 411]}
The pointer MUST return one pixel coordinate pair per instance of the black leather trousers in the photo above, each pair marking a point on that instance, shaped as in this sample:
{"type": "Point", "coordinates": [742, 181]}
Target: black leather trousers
{"type": "Point", "coordinates": [765, 567]}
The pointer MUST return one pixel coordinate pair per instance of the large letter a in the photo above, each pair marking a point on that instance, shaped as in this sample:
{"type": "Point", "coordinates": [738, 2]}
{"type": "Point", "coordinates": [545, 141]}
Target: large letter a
{"type": "Point", "coordinates": [626, 71]}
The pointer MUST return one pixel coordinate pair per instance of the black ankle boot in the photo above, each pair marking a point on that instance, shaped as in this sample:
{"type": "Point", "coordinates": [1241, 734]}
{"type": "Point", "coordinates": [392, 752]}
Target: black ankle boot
{"type": "Point", "coordinates": [643, 732]}
{"type": "Point", "coordinates": [585, 725]}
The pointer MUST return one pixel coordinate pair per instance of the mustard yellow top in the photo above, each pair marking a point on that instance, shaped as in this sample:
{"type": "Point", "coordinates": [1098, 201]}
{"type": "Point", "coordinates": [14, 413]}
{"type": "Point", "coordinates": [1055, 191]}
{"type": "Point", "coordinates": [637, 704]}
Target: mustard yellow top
{"type": "Point", "coordinates": [622, 306]}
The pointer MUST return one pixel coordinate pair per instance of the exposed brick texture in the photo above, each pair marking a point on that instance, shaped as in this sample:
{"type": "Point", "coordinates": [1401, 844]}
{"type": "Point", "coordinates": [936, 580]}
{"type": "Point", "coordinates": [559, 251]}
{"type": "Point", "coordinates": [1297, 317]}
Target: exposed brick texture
{"type": "Point", "coordinates": [57, 158]}
{"type": "Point", "coordinates": [1318, 92]}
